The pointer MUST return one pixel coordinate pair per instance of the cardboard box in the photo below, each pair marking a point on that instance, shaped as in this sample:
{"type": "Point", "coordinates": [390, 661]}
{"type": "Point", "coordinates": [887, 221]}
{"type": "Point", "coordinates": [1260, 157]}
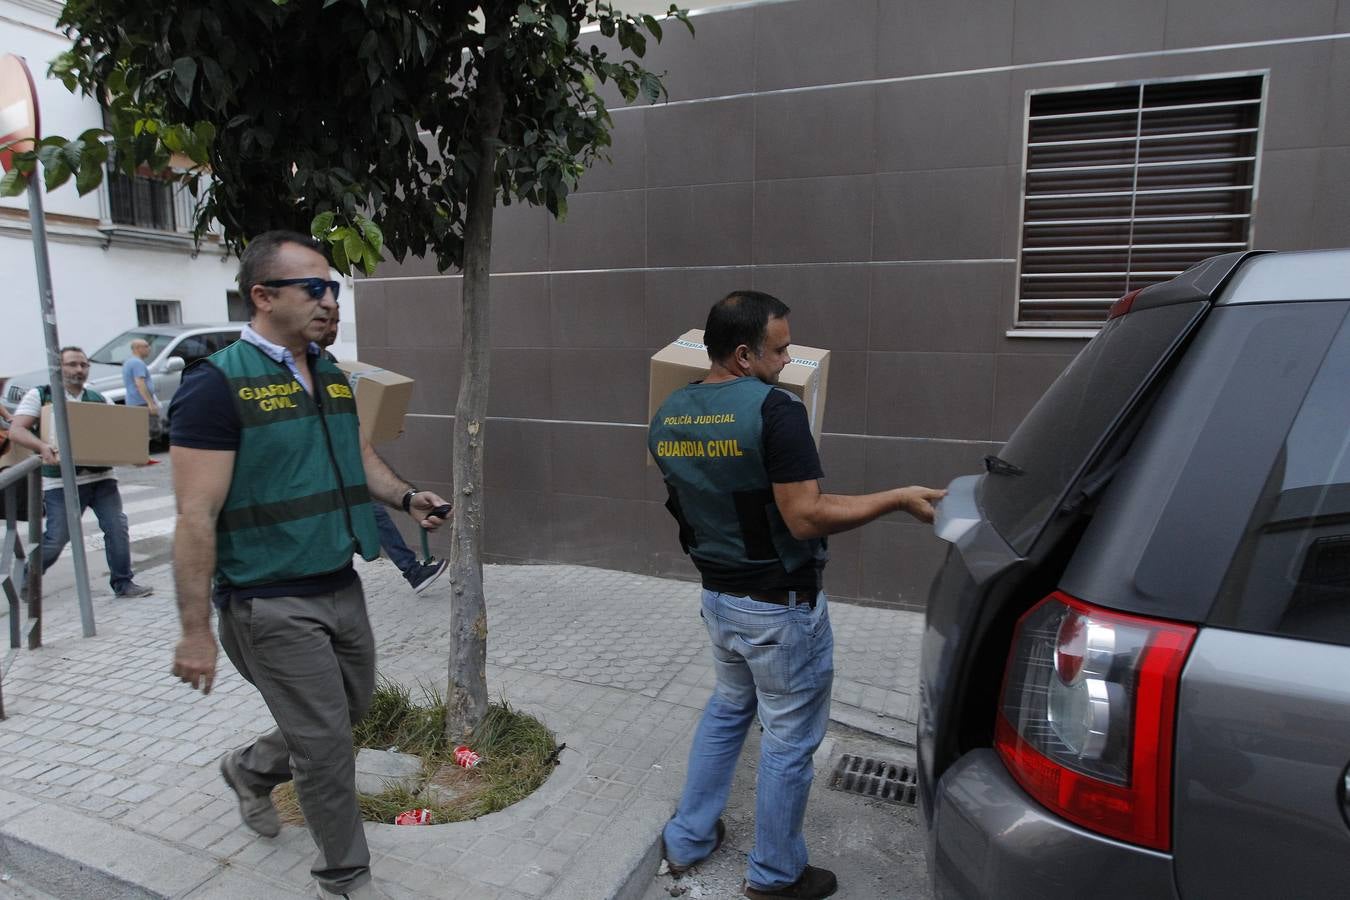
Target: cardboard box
{"type": "Point", "coordinates": [103, 434]}
{"type": "Point", "coordinates": [686, 359]}
{"type": "Point", "coordinates": [14, 455]}
{"type": "Point", "coordinates": [381, 399]}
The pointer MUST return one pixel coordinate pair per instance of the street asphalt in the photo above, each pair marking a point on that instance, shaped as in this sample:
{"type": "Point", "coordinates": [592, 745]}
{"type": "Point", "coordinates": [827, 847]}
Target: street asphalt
{"type": "Point", "coordinates": [109, 774]}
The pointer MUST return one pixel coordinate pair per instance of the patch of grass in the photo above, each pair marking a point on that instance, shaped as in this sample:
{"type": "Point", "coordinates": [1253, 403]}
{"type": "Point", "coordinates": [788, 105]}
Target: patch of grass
{"type": "Point", "coordinates": [518, 752]}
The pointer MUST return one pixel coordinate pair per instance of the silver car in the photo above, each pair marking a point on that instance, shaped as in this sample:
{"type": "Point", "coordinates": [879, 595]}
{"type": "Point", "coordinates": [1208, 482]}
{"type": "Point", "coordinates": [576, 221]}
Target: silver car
{"type": "Point", "coordinates": [172, 348]}
{"type": "Point", "coordinates": [1136, 663]}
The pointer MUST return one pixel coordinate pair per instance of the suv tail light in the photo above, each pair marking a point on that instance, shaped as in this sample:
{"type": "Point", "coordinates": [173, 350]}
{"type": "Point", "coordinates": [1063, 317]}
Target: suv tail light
{"type": "Point", "coordinates": [1087, 716]}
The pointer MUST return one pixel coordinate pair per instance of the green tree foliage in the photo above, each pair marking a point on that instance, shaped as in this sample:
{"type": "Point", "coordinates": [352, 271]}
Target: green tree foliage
{"type": "Point", "coordinates": [381, 126]}
{"type": "Point", "coordinates": [278, 111]}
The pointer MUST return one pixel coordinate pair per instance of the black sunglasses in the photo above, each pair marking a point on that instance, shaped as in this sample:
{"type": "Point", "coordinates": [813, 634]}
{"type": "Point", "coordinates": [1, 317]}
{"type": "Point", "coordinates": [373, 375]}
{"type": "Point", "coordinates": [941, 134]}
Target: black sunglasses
{"type": "Point", "coordinates": [315, 287]}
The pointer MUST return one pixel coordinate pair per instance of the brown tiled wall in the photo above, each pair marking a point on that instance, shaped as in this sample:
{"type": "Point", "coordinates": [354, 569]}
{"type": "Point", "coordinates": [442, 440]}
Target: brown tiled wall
{"type": "Point", "coordinates": [881, 203]}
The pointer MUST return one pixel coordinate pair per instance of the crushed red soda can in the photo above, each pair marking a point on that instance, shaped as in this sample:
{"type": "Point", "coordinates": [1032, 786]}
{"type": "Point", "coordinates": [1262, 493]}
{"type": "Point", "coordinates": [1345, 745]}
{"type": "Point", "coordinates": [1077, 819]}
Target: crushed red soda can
{"type": "Point", "coordinates": [413, 817]}
{"type": "Point", "coordinates": [466, 757]}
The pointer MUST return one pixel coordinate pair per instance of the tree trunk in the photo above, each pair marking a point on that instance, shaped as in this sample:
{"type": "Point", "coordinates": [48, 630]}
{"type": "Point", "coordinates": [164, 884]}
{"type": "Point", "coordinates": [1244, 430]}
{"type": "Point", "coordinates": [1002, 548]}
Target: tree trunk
{"type": "Point", "coordinates": [466, 694]}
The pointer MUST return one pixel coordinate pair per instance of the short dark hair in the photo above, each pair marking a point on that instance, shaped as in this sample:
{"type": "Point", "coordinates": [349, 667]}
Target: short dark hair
{"type": "Point", "coordinates": [255, 263]}
{"type": "Point", "coordinates": [66, 349]}
{"type": "Point", "coordinates": [741, 317]}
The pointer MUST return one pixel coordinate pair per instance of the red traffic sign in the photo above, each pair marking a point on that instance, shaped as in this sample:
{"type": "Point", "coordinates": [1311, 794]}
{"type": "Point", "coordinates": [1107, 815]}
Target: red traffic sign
{"type": "Point", "coordinates": [18, 108]}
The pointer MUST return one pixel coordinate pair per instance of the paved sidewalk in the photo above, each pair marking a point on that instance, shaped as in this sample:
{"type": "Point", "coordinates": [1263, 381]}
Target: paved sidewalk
{"type": "Point", "coordinates": [108, 775]}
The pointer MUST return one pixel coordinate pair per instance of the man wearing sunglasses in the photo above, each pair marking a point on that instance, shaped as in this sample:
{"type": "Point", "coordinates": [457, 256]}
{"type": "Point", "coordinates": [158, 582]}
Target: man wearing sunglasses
{"type": "Point", "coordinates": [275, 489]}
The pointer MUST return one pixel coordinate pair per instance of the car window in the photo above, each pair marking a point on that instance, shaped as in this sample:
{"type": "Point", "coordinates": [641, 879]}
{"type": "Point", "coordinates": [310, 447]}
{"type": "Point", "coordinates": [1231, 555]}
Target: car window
{"type": "Point", "coordinates": [1079, 411]}
{"type": "Point", "coordinates": [195, 347]}
{"type": "Point", "coordinates": [1291, 574]}
{"type": "Point", "coordinates": [222, 339]}
{"type": "Point", "coordinates": [118, 350]}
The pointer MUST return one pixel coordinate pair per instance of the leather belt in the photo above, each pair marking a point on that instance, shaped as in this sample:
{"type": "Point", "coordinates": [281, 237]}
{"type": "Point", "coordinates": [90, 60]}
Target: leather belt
{"type": "Point", "coordinates": [780, 597]}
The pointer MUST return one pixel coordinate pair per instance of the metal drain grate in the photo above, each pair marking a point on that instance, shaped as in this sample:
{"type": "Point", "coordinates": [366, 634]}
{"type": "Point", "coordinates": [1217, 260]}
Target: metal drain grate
{"type": "Point", "coordinates": [876, 778]}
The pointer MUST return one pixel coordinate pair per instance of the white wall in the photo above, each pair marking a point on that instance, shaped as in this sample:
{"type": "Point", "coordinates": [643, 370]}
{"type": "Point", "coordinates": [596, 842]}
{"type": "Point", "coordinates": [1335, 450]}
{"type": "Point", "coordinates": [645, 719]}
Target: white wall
{"type": "Point", "coordinates": [95, 293]}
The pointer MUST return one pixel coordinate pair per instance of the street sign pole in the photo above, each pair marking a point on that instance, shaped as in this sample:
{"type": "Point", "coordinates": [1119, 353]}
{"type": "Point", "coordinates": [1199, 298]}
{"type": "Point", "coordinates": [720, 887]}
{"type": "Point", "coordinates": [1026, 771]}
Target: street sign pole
{"type": "Point", "coordinates": [19, 124]}
{"type": "Point", "coordinates": [72, 498]}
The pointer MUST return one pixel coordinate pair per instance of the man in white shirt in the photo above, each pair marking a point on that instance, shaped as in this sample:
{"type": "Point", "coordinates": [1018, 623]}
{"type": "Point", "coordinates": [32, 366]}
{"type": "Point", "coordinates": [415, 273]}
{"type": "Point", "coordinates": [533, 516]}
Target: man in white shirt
{"type": "Point", "coordinates": [96, 485]}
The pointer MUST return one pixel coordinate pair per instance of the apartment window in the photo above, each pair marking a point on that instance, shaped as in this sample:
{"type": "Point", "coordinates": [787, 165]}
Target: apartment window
{"type": "Point", "coordinates": [236, 309]}
{"type": "Point", "coordinates": [158, 312]}
{"type": "Point", "coordinates": [1130, 185]}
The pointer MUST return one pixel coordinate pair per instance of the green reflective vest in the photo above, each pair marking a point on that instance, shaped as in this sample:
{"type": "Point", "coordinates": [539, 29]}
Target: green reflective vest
{"type": "Point", "coordinates": [89, 396]}
{"type": "Point", "coordinates": [298, 504]}
{"type": "Point", "coordinates": [708, 441]}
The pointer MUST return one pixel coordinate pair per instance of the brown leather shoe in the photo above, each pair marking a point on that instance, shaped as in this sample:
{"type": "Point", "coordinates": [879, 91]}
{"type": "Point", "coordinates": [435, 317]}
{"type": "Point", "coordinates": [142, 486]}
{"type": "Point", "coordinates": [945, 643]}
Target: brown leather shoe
{"type": "Point", "coordinates": [677, 871]}
{"type": "Point", "coordinates": [812, 884]}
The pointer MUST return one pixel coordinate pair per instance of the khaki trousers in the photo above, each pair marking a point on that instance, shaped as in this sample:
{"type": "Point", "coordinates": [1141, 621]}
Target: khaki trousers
{"type": "Point", "coordinates": [313, 660]}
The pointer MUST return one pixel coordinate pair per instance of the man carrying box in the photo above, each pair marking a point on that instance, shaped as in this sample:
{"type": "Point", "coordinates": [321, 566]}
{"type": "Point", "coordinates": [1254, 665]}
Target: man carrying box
{"type": "Point", "coordinates": [419, 575]}
{"type": "Point", "coordinates": [741, 470]}
{"type": "Point", "coordinates": [96, 485]}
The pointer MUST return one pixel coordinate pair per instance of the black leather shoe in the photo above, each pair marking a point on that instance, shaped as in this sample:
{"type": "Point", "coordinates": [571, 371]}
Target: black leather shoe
{"type": "Point", "coordinates": [677, 871]}
{"type": "Point", "coordinates": [812, 884]}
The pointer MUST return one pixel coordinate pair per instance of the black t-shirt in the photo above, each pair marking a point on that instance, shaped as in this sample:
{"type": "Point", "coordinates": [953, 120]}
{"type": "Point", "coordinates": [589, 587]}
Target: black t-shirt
{"type": "Point", "coordinates": [789, 450]}
{"type": "Point", "coordinates": [203, 416]}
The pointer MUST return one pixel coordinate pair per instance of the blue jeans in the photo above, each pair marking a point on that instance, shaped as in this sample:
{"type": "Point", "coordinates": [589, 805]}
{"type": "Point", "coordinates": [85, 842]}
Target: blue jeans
{"type": "Point", "coordinates": [101, 496]}
{"type": "Point", "coordinates": [779, 661]}
{"type": "Point", "coordinates": [392, 542]}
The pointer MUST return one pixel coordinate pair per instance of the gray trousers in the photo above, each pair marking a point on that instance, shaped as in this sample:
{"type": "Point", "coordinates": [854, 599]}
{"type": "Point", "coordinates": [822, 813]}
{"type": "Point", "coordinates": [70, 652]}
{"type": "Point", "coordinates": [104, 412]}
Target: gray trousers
{"type": "Point", "coordinates": [313, 660]}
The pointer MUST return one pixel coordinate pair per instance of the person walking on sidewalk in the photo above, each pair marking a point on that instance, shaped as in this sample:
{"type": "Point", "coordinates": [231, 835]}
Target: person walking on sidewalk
{"type": "Point", "coordinates": [419, 575]}
{"type": "Point", "coordinates": [95, 485]}
{"type": "Point", "coordinates": [753, 519]}
{"type": "Point", "coordinates": [274, 487]}
{"type": "Point", "coordinates": [139, 386]}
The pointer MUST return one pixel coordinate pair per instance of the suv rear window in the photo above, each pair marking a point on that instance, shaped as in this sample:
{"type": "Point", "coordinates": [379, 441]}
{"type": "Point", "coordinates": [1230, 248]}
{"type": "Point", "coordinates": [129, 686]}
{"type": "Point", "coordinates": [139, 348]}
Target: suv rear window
{"type": "Point", "coordinates": [1075, 416]}
{"type": "Point", "coordinates": [1291, 574]}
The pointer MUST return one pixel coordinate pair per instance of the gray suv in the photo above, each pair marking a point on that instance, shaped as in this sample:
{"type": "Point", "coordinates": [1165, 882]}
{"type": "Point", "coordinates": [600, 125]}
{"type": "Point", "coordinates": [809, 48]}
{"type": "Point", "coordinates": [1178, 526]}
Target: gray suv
{"type": "Point", "coordinates": [1136, 662]}
{"type": "Point", "coordinates": [172, 348]}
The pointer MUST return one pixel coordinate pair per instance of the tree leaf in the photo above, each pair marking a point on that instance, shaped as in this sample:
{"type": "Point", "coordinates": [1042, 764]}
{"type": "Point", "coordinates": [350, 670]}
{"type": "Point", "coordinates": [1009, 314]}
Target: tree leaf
{"type": "Point", "coordinates": [340, 258]}
{"type": "Point", "coordinates": [89, 177]}
{"type": "Point", "coordinates": [184, 74]}
{"type": "Point", "coordinates": [13, 184]}
{"type": "Point", "coordinates": [57, 175]}
{"type": "Point", "coordinates": [560, 28]}
{"type": "Point", "coordinates": [322, 224]}
{"type": "Point", "coordinates": [354, 246]}
{"type": "Point", "coordinates": [653, 26]}
{"type": "Point", "coordinates": [373, 235]}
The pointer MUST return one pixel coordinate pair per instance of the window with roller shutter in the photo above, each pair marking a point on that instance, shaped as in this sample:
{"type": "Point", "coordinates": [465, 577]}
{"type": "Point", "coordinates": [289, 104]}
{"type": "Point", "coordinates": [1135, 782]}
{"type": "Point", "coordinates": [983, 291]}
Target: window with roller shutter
{"type": "Point", "coordinates": [1128, 185]}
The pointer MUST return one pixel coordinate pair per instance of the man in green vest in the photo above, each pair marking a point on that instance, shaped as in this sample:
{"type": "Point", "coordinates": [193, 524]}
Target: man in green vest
{"type": "Point", "coordinates": [275, 489]}
{"type": "Point", "coordinates": [96, 486]}
{"type": "Point", "coordinates": [741, 471]}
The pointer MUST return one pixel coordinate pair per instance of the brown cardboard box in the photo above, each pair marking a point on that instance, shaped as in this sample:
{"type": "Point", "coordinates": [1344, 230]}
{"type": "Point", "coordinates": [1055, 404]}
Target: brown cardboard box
{"type": "Point", "coordinates": [14, 455]}
{"type": "Point", "coordinates": [381, 399]}
{"type": "Point", "coordinates": [102, 434]}
{"type": "Point", "coordinates": [686, 359]}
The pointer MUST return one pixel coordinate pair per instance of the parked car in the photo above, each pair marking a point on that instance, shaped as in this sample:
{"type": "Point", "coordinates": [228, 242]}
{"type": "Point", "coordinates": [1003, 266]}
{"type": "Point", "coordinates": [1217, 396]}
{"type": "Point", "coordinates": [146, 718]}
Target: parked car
{"type": "Point", "coordinates": [172, 348]}
{"type": "Point", "coordinates": [1136, 663]}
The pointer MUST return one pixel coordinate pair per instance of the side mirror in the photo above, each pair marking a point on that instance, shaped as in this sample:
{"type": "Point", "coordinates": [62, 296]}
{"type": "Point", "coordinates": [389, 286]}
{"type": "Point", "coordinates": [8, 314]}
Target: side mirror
{"type": "Point", "coordinates": [174, 364]}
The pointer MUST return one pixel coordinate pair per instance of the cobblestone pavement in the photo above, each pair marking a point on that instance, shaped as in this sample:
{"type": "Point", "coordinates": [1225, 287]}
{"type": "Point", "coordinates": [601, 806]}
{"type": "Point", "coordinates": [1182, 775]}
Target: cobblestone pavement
{"type": "Point", "coordinates": [107, 760]}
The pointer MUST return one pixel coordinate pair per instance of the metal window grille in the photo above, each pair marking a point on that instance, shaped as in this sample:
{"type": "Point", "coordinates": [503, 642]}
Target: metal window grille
{"type": "Point", "coordinates": [158, 312]}
{"type": "Point", "coordinates": [1129, 185]}
{"type": "Point", "coordinates": [144, 201]}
